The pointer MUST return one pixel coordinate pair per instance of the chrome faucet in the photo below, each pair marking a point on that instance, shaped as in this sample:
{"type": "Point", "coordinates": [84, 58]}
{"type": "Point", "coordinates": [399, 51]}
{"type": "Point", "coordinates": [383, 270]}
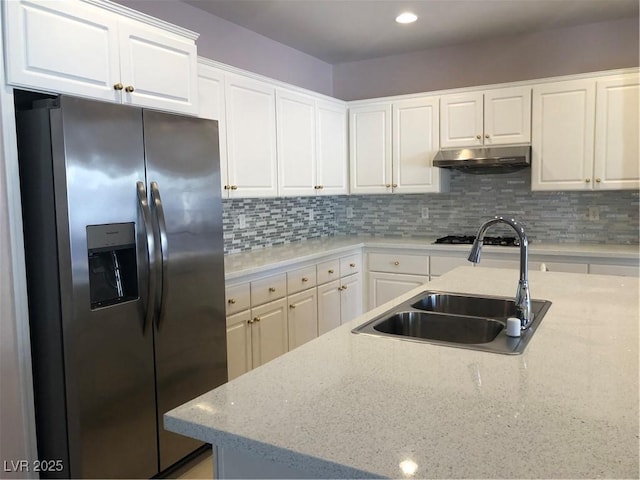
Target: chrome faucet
{"type": "Point", "coordinates": [523, 299]}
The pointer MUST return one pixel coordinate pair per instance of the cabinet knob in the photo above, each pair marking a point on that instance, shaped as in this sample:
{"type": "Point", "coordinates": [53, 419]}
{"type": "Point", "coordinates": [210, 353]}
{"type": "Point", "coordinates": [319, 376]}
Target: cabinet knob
{"type": "Point", "coordinates": [227, 187]}
{"type": "Point", "coordinates": [129, 89]}
{"type": "Point", "coordinates": [256, 319]}
{"type": "Point", "coordinates": [344, 287]}
{"type": "Point", "coordinates": [587, 180]}
{"type": "Point", "coordinates": [486, 136]}
{"type": "Point", "coordinates": [271, 289]}
{"type": "Point", "coordinates": [598, 180]}
{"type": "Point", "coordinates": [249, 321]}
{"type": "Point", "coordinates": [231, 301]}
{"type": "Point", "coordinates": [340, 288]}
{"type": "Point", "coordinates": [320, 187]}
{"type": "Point", "coordinates": [478, 137]}
{"type": "Point", "coordinates": [316, 187]}
{"type": "Point", "coordinates": [292, 306]}
{"type": "Point", "coordinates": [396, 263]}
{"type": "Point", "coordinates": [234, 187]}
{"type": "Point", "coordinates": [387, 185]}
{"type": "Point", "coordinates": [304, 279]}
{"type": "Point", "coordinates": [394, 185]}
{"type": "Point", "coordinates": [352, 265]}
{"type": "Point", "coordinates": [118, 86]}
{"type": "Point", "coordinates": [330, 272]}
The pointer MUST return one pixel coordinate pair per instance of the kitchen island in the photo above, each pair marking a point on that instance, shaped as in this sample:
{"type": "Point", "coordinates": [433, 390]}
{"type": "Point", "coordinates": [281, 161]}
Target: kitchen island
{"type": "Point", "coordinates": [347, 405]}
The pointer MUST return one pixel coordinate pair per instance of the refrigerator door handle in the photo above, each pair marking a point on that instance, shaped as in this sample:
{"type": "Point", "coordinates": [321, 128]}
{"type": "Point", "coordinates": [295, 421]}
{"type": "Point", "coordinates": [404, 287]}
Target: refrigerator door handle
{"type": "Point", "coordinates": [150, 247]}
{"type": "Point", "coordinates": [158, 212]}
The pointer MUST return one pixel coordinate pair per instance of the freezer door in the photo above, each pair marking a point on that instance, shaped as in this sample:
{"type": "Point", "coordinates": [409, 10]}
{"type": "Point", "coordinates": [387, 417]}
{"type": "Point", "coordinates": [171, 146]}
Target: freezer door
{"type": "Point", "coordinates": [183, 175]}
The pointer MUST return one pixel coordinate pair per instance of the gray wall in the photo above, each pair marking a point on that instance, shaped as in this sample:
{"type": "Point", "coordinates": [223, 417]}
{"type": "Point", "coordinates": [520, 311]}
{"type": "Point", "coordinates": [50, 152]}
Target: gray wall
{"type": "Point", "coordinates": [586, 48]}
{"type": "Point", "coordinates": [231, 44]}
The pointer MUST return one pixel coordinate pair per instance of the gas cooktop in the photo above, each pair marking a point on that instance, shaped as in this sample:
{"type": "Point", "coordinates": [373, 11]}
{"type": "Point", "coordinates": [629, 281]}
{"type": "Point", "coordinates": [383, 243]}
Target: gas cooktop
{"type": "Point", "coordinates": [468, 240]}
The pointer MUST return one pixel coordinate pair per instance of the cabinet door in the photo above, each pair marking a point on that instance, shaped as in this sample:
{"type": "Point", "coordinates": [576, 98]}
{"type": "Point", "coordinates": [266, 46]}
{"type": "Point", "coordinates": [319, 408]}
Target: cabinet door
{"type": "Point", "coordinates": [416, 140]}
{"type": "Point", "coordinates": [161, 69]}
{"type": "Point", "coordinates": [350, 297]}
{"type": "Point", "coordinates": [329, 306]}
{"type": "Point", "coordinates": [331, 148]}
{"type": "Point", "coordinates": [269, 338]}
{"type": "Point", "coordinates": [211, 105]}
{"type": "Point", "coordinates": [238, 344]}
{"type": "Point", "coordinates": [296, 137]}
{"type": "Point", "coordinates": [66, 47]}
{"type": "Point", "coordinates": [302, 317]}
{"type": "Point", "coordinates": [370, 149]}
{"type": "Point", "coordinates": [507, 116]}
{"type": "Point", "coordinates": [562, 135]}
{"type": "Point", "coordinates": [461, 122]}
{"type": "Point", "coordinates": [387, 286]}
{"type": "Point", "coordinates": [251, 137]}
{"type": "Point", "coordinates": [616, 164]}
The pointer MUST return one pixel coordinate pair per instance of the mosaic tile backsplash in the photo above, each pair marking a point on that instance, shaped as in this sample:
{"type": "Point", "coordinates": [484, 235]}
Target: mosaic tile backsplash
{"type": "Point", "coordinates": [559, 217]}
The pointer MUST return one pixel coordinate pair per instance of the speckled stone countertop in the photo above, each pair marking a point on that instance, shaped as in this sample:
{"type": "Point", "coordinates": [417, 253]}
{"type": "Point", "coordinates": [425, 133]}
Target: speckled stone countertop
{"type": "Point", "coordinates": [347, 405]}
{"type": "Point", "coordinates": [247, 263]}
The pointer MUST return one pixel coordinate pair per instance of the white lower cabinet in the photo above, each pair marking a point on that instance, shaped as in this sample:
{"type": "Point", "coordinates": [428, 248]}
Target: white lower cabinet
{"type": "Point", "coordinates": [329, 316]}
{"type": "Point", "coordinates": [269, 338]}
{"type": "Point", "coordinates": [350, 297]}
{"type": "Point", "coordinates": [387, 286]}
{"type": "Point", "coordinates": [302, 317]}
{"type": "Point", "coordinates": [239, 344]}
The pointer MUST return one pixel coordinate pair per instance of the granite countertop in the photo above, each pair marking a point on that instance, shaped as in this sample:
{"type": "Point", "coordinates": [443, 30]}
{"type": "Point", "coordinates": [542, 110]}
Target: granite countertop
{"type": "Point", "coordinates": [255, 261]}
{"type": "Point", "coordinates": [346, 405]}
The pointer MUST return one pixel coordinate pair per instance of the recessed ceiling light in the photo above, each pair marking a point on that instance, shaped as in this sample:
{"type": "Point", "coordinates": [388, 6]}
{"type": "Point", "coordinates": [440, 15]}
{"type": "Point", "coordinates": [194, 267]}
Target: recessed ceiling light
{"type": "Point", "coordinates": [406, 17]}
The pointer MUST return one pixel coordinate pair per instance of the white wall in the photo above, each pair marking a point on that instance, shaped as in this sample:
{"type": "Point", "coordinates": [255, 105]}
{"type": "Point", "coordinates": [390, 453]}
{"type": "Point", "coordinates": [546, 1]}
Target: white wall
{"type": "Point", "coordinates": [229, 43]}
{"type": "Point", "coordinates": [563, 51]}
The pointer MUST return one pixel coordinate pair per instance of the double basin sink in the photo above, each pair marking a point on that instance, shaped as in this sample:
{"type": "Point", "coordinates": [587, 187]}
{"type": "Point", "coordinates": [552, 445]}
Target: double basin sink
{"type": "Point", "coordinates": [456, 320]}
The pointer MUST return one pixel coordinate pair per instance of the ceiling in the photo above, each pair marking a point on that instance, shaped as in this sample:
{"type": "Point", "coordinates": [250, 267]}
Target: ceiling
{"type": "Point", "coordinates": [338, 31]}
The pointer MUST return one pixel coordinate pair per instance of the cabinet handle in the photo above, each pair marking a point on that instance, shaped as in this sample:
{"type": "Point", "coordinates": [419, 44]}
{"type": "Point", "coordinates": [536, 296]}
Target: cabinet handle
{"type": "Point", "coordinates": [292, 306]}
{"type": "Point", "coordinates": [598, 180]}
{"type": "Point", "coordinates": [587, 180]}
{"type": "Point", "coordinates": [271, 289]}
{"type": "Point", "coordinates": [330, 272]}
{"type": "Point", "coordinates": [256, 319]}
{"type": "Point", "coordinates": [352, 265]}
{"type": "Point", "coordinates": [478, 137]}
{"type": "Point", "coordinates": [305, 279]}
{"type": "Point", "coordinates": [231, 301]}
{"type": "Point", "coordinates": [118, 86]}
{"type": "Point", "coordinates": [396, 263]}
{"type": "Point", "coordinates": [129, 89]}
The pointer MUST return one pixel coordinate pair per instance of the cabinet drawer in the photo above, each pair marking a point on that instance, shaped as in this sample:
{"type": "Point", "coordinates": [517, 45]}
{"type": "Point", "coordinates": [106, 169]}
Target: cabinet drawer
{"type": "Point", "coordinates": [328, 271]}
{"type": "Point", "coordinates": [268, 289]}
{"type": "Point", "coordinates": [350, 264]}
{"type": "Point", "coordinates": [301, 279]}
{"type": "Point", "coordinates": [441, 265]}
{"type": "Point", "coordinates": [399, 263]}
{"type": "Point", "coordinates": [238, 298]}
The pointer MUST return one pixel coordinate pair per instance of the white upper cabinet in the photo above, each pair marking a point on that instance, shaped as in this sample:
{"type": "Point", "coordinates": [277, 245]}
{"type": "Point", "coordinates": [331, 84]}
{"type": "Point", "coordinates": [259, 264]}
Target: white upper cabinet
{"type": "Point", "coordinates": [82, 49]}
{"type": "Point", "coordinates": [331, 147]}
{"type": "Point", "coordinates": [211, 105]}
{"type": "Point", "coordinates": [311, 145]}
{"type": "Point", "coordinates": [296, 130]}
{"type": "Point", "coordinates": [392, 147]}
{"type": "Point", "coordinates": [585, 134]}
{"type": "Point", "coordinates": [617, 155]}
{"type": "Point", "coordinates": [251, 137]}
{"type": "Point", "coordinates": [494, 117]}
{"type": "Point", "coordinates": [370, 148]}
{"type": "Point", "coordinates": [416, 140]}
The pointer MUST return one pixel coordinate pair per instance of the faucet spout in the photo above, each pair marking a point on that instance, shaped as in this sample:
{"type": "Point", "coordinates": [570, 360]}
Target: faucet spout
{"type": "Point", "coordinates": [522, 298]}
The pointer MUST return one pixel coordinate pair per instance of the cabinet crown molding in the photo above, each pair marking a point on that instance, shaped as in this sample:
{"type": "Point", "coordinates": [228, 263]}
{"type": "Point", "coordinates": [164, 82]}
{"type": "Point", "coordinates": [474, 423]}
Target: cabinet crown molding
{"type": "Point", "coordinates": [144, 18]}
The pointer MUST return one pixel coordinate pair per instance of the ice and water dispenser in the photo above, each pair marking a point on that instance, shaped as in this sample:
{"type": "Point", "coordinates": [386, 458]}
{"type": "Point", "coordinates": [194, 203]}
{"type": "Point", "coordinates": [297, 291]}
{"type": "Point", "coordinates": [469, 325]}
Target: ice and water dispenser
{"type": "Point", "coordinates": [113, 272]}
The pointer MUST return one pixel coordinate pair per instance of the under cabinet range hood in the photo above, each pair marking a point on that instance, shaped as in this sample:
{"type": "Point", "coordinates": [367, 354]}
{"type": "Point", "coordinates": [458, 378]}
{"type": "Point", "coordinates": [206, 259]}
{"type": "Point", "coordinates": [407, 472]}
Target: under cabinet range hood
{"type": "Point", "coordinates": [485, 160]}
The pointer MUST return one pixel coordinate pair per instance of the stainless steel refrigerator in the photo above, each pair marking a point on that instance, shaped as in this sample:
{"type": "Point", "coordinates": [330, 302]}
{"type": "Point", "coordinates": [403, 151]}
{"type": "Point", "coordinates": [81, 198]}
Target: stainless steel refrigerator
{"type": "Point", "coordinates": [123, 241]}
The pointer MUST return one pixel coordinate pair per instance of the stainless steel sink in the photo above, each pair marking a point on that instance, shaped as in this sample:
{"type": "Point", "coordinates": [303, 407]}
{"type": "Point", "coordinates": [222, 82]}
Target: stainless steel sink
{"type": "Point", "coordinates": [456, 320]}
